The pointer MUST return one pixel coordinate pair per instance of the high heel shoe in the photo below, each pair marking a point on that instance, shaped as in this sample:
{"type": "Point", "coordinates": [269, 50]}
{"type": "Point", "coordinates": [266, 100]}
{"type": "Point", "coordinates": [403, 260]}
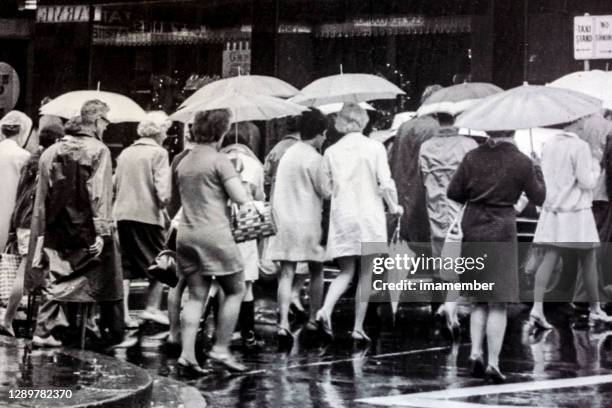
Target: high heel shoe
{"type": "Point", "coordinates": [228, 361]}
{"type": "Point", "coordinates": [477, 368]}
{"type": "Point", "coordinates": [538, 322]}
{"type": "Point", "coordinates": [190, 370]}
{"type": "Point", "coordinates": [359, 335]}
{"type": "Point", "coordinates": [493, 375]}
{"type": "Point", "coordinates": [325, 323]}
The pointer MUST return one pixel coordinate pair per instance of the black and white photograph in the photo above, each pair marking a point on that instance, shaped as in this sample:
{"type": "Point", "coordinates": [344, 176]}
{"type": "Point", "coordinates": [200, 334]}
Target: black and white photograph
{"type": "Point", "coordinates": [305, 203]}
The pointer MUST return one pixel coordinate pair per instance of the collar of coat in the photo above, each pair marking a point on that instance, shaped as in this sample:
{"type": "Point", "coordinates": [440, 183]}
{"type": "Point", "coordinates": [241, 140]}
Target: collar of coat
{"type": "Point", "coordinates": [146, 141]}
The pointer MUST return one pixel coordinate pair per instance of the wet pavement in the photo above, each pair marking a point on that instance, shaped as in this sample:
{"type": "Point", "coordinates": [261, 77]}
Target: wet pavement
{"type": "Point", "coordinates": [407, 364]}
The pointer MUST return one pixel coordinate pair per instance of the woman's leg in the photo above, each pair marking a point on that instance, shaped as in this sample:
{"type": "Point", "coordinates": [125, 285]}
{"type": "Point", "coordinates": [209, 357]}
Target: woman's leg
{"type": "Point", "coordinates": [174, 310]}
{"type": "Point", "coordinates": [362, 296]}
{"type": "Point", "coordinates": [233, 287]}
{"type": "Point", "coordinates": [296, 288]}
{"type": "Point", "coordinates": [478, 319]}
{"type": "Point", "coordinates": [496, 328]}
{"type": "Point", "coordinates": [15, 298]}
{"type": "Point", "coordinates": [316, 288]}
{"type": "Point", "coordinates": [285, 281]}
{"type": "Point", "coordinates": [347, 266]}
{"type": "Point", "coordinates": [589, 272]}
{"type": "Point", "coordinates": [543, 275]}
{"type": "Point", "coordinates": [192, 313]}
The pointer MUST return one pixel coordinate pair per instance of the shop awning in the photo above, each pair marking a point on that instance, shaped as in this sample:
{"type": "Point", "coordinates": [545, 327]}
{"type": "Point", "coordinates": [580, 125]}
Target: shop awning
{"type": "Point", "coordinates": [397, 26]}
{"type": "Point", "coordinates": [111, 36]}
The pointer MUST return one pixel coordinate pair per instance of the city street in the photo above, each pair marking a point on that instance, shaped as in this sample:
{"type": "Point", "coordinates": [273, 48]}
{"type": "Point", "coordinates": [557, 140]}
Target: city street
{"type": "Point", "coordinates": [409, 364]}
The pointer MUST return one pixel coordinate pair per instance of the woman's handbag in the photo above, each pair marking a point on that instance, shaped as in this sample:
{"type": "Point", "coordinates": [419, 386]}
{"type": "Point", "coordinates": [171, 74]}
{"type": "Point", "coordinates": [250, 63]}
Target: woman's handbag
{"type": "Point", "coordinates": [252, 223]}
{"type": "Point", "coordinates": [452, 247]}
{"type": "Point", "coordinates": [9, 264]}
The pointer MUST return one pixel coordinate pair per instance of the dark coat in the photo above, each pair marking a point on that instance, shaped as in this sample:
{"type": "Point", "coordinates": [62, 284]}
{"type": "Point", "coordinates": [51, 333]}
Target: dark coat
{"type": "Point", "coordinates": [490, 180]}
{"type": "Point", "coordinates": [404, 164]}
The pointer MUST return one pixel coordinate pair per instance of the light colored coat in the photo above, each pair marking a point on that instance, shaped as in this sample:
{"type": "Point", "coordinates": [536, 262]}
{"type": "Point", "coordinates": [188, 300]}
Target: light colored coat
{"type": "Point", "coordinates": [142, 183]}
{"type": "Point", "coordinates": [571, 175]}
{"type": "Point", "coordinates": [439, 159]}
{"type": "Point", "coordinates": [12, 159]}
{"type": "Point", "coordinates": [356, 175]}
{"type": "Point", "coordinates": [297, 206]}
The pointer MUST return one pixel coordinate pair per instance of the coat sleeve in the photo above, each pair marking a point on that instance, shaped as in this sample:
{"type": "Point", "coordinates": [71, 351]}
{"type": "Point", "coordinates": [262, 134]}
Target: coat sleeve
{"type": "Point", "coordinates": [457, 188]}
{"type": "Point", "coordinates": [326, 182]}
{"type": "Point", "coordinates": [101, 193]}
{"type": "Point", "coordinates": [535, 188]}
{"type": "Point", "coordinates": [586, 167]}
{"type": "Point", "coordinates": [161, 178]}
{"type": "Point", "coordinates": [175, 199]}
{"type": "Point", "coordinates": [385, 182]}
{"type": "Point", "coordinates": [315, 173]}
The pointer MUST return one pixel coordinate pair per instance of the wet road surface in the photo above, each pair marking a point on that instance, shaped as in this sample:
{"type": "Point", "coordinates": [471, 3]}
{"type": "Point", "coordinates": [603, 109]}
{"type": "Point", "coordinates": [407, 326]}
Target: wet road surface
{"type": "Point", "coordinates": [408, 357]}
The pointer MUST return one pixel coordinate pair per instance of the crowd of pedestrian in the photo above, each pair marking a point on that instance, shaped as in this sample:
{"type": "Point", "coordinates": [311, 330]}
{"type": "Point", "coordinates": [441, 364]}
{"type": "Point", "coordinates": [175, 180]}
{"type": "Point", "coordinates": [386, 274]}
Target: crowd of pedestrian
{"type": "Point", "coordinates": [85, 231]}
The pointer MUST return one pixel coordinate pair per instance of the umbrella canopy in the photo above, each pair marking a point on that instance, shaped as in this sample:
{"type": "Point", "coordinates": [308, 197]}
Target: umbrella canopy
{"type": "Point", "coordinates": [595, 83]}
{"type": "Point", "coordinates": [457, 98]}
{"type": "Point", "coordinates": [244, 107]}
{"type": "Point", "coordinates": [337, 107]}
{"type": "Point", "coordinates": [528, 106]}
{"type": "Point", "coordinates": [68, 105]}
{"type": "Point", "coordinates": [248, 84]}
{"type": "Point", "coordinates": [347, 88]}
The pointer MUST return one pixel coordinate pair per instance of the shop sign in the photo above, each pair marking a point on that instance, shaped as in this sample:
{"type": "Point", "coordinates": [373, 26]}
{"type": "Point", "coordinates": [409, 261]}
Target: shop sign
{"type": "Point", "coordinates": [236, 59]}
{"type": "Point", "coordinates": [9, 88]}
{"type": "Point", "coordinates": [592, 37]}
{"type": "Point", "coordinates": [66, 14]}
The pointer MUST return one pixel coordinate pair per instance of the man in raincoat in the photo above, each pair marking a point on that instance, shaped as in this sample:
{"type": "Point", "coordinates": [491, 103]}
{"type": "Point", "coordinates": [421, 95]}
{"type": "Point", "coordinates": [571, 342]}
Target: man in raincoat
{"type": "Point", "coordinates": [75, 185]}
{"type": "Point", "coordinates": [14, 129]}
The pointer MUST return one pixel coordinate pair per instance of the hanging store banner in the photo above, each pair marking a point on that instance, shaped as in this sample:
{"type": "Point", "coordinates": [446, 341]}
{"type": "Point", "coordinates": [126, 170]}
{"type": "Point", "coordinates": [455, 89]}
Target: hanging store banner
{"type": "Point", "coordinates": [592, 37]}
{"type": "Point", "coordinates": [236, 59]}
{"type": "Point", "coordinates": [67, 14]}
{"type": "Point", "coordinates": [397, 25]}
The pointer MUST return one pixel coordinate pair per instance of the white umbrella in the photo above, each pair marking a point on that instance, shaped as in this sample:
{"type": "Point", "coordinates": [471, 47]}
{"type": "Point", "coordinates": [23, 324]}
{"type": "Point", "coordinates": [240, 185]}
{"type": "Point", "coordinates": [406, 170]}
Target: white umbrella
{"type": "Point", "coordinates": [244, 107]}
{"type": "Point", "coordinates": [595, 83]}
{"type": "Point", "coordinates": [337, 107]}
{"type": "Point", "coordinates": [347, 88]}
{"type": "Point", "coordinates": [528, 106]}
{"type": "Point", "coordinates": [457, 98]}
{"type": "Point", "coordinates": [68, 105]}
{"type": "Point", "coordinates": [247, 84]}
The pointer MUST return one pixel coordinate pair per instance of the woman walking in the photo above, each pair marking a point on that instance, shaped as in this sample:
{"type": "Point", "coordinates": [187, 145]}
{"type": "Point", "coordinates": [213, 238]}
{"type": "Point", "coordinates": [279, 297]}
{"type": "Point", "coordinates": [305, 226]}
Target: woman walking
{"type": "Point", "coordinates": [489, 181]}
{"type": "Point", "coordinates": [251, 173]}
{"type": "Point", "coordinates": [205, 246]}
{"type": "Point", "coordinates": [355, 175]}
{"type": "Point", "coordinates": [567, 225]}
{"type": "Point", "coordinates": [298, 206]}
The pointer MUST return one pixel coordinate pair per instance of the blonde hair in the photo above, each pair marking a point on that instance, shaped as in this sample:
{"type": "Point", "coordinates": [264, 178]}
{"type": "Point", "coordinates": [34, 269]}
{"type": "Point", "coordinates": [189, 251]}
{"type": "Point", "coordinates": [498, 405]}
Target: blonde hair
{"type": "Point", "coordinates": [154, 124]}
{"type": "Point", "coordinates": [352, 118]}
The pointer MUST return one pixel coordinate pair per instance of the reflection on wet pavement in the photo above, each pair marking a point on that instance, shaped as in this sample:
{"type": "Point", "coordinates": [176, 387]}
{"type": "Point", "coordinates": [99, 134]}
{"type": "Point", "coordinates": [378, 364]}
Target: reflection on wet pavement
{"type": "Point", "coordinates": [406, 357]}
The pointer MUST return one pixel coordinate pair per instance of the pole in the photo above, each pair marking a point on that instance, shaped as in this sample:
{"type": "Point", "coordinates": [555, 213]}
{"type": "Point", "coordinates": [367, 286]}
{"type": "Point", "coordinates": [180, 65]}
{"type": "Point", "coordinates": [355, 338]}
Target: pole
{"type": "Point", "coordinates": [526, 41]}
{"type": "Point", "coordinates": [587, 63]}
{"type": "Point", "coordinates": [90, 44]}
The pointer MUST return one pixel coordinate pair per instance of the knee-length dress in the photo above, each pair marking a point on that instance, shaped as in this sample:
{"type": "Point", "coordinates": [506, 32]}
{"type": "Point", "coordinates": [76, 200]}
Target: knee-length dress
{"type": "Point", "coordinates": [204, 240]}
{"type": "Point", "coordinates": [490, 180]}
{"type": "Point", "coordinates": [355, 172]}
{"type": "Point", "coordinates": [297, 205]}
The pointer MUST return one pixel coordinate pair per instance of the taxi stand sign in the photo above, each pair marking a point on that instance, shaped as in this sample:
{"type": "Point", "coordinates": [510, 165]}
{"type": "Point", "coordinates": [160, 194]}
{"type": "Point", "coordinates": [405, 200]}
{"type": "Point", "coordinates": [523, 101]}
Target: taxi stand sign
{"type": "Point", "coordinates": [592, 37]}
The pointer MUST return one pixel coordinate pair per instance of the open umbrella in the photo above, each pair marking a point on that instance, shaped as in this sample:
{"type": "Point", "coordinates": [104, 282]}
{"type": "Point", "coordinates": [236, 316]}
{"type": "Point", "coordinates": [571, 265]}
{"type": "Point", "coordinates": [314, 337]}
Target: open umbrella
{"type": "Point", "coordinates": [457, 98]}
{"type": "Point", "coordinates": [528, 106]}
{"type": "Point", "coordinates": [337, 107]}
{"type": "Point", "coordinates": [68, 105]}
{"type": "Point", "coordinates": [247, 84]}
{"type": "Point", "coordinates": [595, 83]}
{"type": "Point", "coordinates": [244, 107]}
{"type": "Point", "coordinates": [347, 88]}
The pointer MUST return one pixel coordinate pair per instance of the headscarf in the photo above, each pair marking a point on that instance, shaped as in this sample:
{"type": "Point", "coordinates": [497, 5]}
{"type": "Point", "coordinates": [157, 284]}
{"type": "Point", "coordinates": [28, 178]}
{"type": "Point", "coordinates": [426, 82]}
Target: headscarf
{"type": "Point", "coordinates": [18, 120]}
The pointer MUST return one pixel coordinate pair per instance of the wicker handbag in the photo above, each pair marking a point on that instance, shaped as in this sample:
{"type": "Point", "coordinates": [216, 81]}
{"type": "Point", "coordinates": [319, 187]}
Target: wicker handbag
{"type": "Point", "coordinates": [9, 264]}
{"type": "Point", "coordinates": [452, 247]}
{"type": "Point", "coordinates": [249, 223]}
